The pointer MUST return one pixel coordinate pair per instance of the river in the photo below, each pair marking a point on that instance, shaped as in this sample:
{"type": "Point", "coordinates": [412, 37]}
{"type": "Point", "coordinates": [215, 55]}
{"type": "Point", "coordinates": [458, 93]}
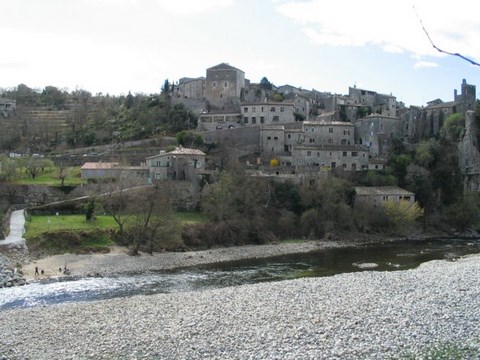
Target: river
{"type": "Point", "coordinates": [402, 255]}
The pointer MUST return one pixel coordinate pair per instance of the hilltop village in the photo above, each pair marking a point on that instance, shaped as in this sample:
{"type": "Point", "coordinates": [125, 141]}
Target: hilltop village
{"type": "Point", "coordinates": [313, 157]}
{"type": "Point", "coordinates": [299, 134]}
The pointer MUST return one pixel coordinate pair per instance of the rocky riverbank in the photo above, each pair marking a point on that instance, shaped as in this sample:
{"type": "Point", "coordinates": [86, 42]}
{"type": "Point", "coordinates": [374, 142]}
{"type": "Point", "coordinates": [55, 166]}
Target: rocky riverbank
{"type": "Point", "coordinates": [434, 309]}
{"type": "Point", "coordinates": [9, 274]}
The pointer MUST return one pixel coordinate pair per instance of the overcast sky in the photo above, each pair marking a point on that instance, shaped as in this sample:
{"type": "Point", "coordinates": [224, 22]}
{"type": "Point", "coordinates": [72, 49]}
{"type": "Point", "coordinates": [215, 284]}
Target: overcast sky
{"type": "Point", "coordinates": [117, 46]}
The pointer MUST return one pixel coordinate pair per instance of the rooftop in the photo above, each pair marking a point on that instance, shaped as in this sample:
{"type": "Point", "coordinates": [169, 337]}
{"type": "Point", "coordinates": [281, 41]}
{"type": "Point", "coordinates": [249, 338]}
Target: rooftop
{"type": "Point", "coordinates": [382, 190]}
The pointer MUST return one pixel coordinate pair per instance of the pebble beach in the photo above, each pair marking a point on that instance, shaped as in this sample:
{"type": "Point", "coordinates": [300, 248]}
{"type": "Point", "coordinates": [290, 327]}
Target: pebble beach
{"type": "Point", "coordinates": [366, 315]}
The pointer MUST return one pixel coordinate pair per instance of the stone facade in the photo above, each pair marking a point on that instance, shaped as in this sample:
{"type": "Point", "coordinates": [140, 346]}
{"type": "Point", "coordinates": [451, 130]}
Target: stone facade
{"type": "Point", "coordinates": [316, 146]}
{"type": "Point", "coordinates": [189, 88]}
{"type": "Point", "coordinates": [224, 86]}
{"type": "Point", "coordinates": [7, 107]}
{"type": "Point", "coordinates": [267, 113]}
{"type": "Point", "coordinates": [377, 195]}
{"type": "Point", "coordinates": [379, 103]}
{"type": "Point", "coordinates": [179, 164]}
{"type": "Point", "coordinates": [219, 121]}
{"type": "Point", "coordinates": [375, 131]}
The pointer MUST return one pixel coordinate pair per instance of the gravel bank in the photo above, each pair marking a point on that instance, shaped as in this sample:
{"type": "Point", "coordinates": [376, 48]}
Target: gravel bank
{"type": "Point", "coordinates": [368, 315]}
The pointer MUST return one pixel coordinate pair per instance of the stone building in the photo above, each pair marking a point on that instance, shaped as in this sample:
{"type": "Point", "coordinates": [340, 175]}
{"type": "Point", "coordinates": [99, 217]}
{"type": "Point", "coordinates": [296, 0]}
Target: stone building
{"type": "Point", "coordinates": [224, 86]}
{"type": "Point", "coordinates": [313, 147]}
{"type": "Point", "coordinates": [328, 133]}
{"type": "Point", "coordinates": [218, 120]}
{"type": "Point", "coordinates": [267, 113]}
{"type": "Point", "coordinates": [179, 164]}
{"type": "Point", "coordinates": [379, 103]}
{"type": "Point", "coordinates": [375, 132]}
{"type": "Point", "coordinates": [189, 88]}
{"type": "Point", "coordinates": [377, 195]}
{"type": "Point", "coordinates": [113, 170]}
{"type": "Point", "coordinates": [426, 122]}
{"type": "Point", "coordinates": [7, 107]}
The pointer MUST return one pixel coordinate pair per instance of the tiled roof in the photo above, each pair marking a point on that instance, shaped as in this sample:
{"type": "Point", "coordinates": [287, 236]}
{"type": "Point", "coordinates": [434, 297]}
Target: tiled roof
{"type": "Point", "coordinates": [99, 165]}
{"type": "Point", "coordinates": [382, 190]}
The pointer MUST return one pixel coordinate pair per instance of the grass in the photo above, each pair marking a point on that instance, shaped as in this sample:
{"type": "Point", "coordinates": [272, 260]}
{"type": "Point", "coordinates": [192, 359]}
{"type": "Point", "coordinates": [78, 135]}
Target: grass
{"type": "Point", "coordinates": [38, 225]}
{"type": "Point", "coordinates": [445, 351]}
{"type": "Point", "coordinates": [50, 177]}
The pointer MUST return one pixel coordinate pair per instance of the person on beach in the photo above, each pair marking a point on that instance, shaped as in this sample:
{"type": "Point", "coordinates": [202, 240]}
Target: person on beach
{"type": "Point", "coordinates": [36, 270]}
{"type": "Point", "coordinates": [42, 272]}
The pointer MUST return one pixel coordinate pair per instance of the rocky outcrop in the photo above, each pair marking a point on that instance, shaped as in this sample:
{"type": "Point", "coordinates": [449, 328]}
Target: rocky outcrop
{"type": "Point", "coordinates": [469, 155]}
{"type": "Point", "coordinates": [9, 275]}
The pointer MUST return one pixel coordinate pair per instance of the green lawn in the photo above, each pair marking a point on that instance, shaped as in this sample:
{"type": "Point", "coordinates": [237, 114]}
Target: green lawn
{"type": "Point", "coordinates": [40, 224]}
{"type": "Point", "coordinates": [50, 177]}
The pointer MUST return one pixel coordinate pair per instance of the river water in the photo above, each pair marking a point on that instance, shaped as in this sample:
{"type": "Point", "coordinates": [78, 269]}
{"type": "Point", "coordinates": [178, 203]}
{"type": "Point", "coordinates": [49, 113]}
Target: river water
{"type": "Point", "coordinates": [385, 257]}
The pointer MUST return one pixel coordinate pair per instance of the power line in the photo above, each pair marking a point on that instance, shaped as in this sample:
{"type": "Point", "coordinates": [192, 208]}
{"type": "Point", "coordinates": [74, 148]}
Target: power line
{"type": "Point", "coordinates": [440, 50]}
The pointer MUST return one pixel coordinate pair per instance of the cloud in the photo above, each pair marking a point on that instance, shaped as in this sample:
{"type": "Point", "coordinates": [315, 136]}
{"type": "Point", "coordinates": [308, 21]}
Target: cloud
{"type": "Point", "coordinates": [425, 64]}
{"type": "Point", "coordinates": [395, 29]}
{"type": "Point", "coordinates": [193, 7]}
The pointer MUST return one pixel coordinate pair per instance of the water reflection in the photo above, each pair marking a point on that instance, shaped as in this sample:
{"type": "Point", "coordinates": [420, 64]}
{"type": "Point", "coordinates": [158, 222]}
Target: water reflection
{"type": "Point", "coordinates": [386, 257]}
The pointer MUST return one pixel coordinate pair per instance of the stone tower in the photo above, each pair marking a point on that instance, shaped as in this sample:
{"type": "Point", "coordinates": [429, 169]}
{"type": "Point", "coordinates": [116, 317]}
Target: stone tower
{"type": "Point", "coordinates": [224, 87]}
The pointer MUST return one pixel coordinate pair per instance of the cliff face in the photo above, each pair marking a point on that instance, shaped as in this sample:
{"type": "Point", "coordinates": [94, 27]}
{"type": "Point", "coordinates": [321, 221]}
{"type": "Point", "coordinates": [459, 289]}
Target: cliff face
{"type": "Point", "coordinates": [469, 155]}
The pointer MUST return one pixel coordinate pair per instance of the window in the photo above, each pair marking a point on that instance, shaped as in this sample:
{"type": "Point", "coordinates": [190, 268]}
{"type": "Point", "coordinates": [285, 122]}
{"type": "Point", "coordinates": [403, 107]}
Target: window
{"type": "Point", "coordinates": [225, 84]}
{"type": "Point", "coordinates": [344, 153]}
{"type": "Point", "coordinates": [269, 138]}
{"type": "Point", "coordinates": [272, 109]}
{"type": "Point", "coordinates": [245, 109]}
{"type": "Point", "coordinates": [289, 136]}
{"type": "Point", "coordinates": [214, 84]}
{"type": "Point", "coordinates": [309, 153]}
{"type": "Point", "coordinates": [262, 108]}
{"type": "Point", "coordinates": [254, 109]}
{"type": "Point", "coordinates": [330, 141]}
{"type": "Point", "coordinates": [311, 140]}
{"type": "Point", "coordinates": [254, 120]}
{"type": "Point", "coordinates": [276, 118]}
{"type": "Point", "coordinates": [282, 109]}
{"type": "Point", "coordinates": [344, 166]}
{"type": "Point", "coordinates": [245, 120]}
{"type": "Point", "coordinates": [330, 130]}
{"type": "Point", "coordinates": [262, 119]}
{"type": "Point", "coordinates": [275, 138]}
{"type": "Point", "coordinates": [334, 164]}
{"type": "Point", "coordinates": [354, 153]}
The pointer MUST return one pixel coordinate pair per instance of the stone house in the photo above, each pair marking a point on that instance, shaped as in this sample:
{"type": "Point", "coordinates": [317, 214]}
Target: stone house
{"type": "Point", "coordinates": [379, 103]}
{"type": "Point", "coordinates": [267, 113]}
{"type": "Point", "coordinates": [329, 157]}
{"type": "Point", "coordinates": [190, 88]}
{"type": "Point", "coordinates": [377, 195]}
{"type": "Point", "coordinates": [375, 132]}
{"type": "Point", "coordinates": [315, 146]}
{"type": "Point", "coordinates": [179, 164]}
{"type": "Point", "coordinates": [7, 106]}
{"type": "Point", "coordinates": [328, 133]}
{"type": "Point", "coordinates": [111, 170]}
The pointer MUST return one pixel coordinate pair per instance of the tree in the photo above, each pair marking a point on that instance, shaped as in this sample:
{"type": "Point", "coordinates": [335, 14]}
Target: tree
{"type": "Point", "coordinates": [165, 86]}
{"type": "Point", "coordinates": [264, 83]}
{"type": "Point", "coordinates": [34, 165]}
{"type": "Point", "coordinates": [62, 172]}
{"type": "Point", "coordinates": [402, 214]}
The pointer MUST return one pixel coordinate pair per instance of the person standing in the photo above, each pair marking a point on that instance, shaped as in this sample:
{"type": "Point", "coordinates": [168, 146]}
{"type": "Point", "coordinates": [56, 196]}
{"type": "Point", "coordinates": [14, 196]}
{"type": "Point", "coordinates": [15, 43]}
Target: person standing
{"type": "Point", "coordinates": [36, 270]}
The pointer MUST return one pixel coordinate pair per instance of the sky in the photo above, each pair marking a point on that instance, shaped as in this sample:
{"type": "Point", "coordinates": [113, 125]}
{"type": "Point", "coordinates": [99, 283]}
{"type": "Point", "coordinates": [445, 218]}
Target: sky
{"type": "Point", "coordinates": [121, 46]}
